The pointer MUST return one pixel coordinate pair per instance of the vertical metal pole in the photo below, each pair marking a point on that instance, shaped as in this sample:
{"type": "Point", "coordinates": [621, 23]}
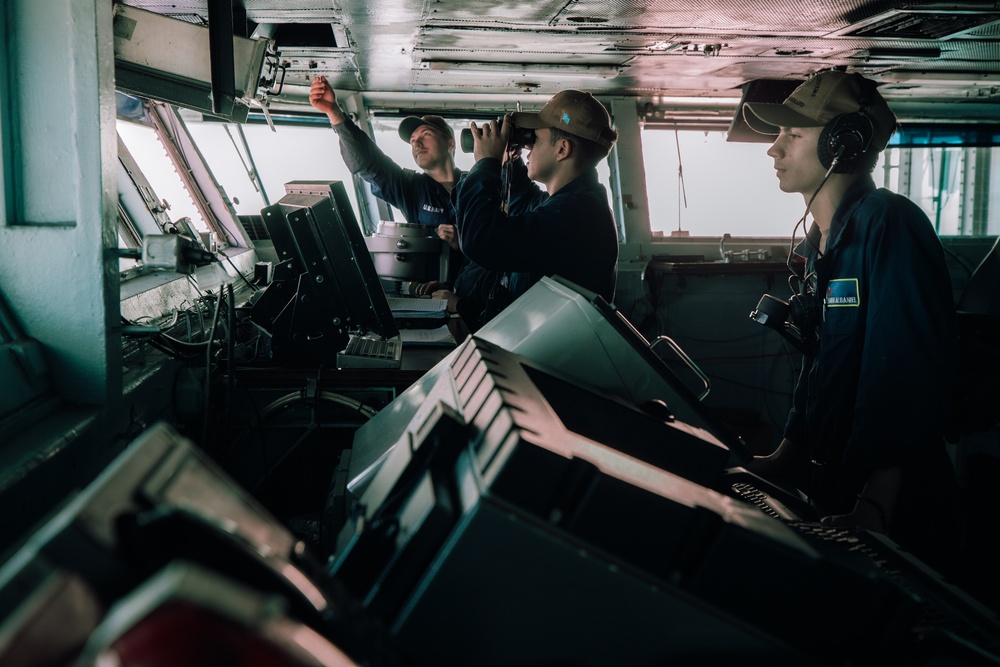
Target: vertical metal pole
{"type": "Point", "coordinates": [981, 192]}
{"type": "Point", "coordinates": [628, 177]}
{"type": "Point", "coordinates": [220, 47]}
{"type": "Point", "coordinates": [942, 187]}
{"type": "Point", "coordinates": [254, 173]}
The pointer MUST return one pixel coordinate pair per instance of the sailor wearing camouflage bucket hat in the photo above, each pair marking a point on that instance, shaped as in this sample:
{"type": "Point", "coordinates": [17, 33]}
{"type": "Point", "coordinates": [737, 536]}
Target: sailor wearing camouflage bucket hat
{"type": "Point", "coordinates": [525, 232]}
{"type": "Point", "coordinates": [880, 347]}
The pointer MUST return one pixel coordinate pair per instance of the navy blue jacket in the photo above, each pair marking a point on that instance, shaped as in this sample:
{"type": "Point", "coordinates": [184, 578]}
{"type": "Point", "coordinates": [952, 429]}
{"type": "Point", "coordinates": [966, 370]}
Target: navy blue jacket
{"type": "Point", "coordinates": [421, 199]}
{"type": "Point", "coordinates": [874, 391]}
{"type": "Point", "coordinates": [570, 234]}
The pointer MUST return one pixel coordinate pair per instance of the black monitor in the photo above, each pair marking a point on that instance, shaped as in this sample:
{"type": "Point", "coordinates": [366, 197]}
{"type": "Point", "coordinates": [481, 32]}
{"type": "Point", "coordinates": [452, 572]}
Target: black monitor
{"type": "Point", "coordinates": [163, 501]}
{"type": "Point", "coordinates": [161, 497]}
{"type": "Point", "coordinates": [46, 612]}
{"type": "Point", "coordinates": [589, 339]}
{"type": "Point", "coordinates": [576, 333]}
{"type": "Point", "coordinates": [325, 286]}
{"type": "Point", "coordinates": [189, 615]}
{"type": "Point", "coordinates": [534, 522]}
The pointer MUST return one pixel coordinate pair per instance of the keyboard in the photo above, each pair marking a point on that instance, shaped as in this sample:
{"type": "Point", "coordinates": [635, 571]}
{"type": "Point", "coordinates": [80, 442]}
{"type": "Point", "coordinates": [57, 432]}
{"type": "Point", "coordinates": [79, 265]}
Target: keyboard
{"type": "Point", "coordinates": [416, 304]}
{"type": "Point", "coordinates": [773, 500]}
{"type": "Point", "coordinates": [364, 352]}
{"type": "Point", "coordinates": [946, 617]}
{"type": "Point", "coordinates": [766, 502]}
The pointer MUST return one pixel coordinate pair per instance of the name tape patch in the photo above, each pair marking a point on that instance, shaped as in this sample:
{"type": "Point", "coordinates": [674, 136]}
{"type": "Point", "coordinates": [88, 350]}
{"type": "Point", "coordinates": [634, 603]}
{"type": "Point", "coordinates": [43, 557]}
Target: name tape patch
{"type": "Point", "coordinates": [843, 293]}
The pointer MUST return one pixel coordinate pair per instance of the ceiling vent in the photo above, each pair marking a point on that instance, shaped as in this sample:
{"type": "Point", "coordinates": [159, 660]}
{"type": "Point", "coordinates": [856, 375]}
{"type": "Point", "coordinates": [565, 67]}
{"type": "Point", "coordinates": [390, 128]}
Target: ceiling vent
{"type": "Point", "coordinates": [919, 24]}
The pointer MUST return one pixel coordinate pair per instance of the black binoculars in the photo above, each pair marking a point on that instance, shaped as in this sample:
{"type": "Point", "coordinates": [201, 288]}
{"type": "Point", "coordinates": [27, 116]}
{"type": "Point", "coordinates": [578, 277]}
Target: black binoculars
{"type": "Point", "coordinates": [796, 319]}
{"type": "Point", "coordinates": [519, 137]}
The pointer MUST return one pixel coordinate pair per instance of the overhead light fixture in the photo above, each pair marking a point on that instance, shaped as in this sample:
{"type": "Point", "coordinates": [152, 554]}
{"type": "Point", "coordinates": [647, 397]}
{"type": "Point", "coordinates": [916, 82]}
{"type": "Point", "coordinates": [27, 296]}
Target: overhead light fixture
{"type": "Point", "coordinates": [927, 23]}
{"type": "Point", "coordinates": [666, 47]}
{"type": "Point", "coordinates": [901, 53]}
{"type": "Point", "coordinates": [603, 71]}
{"type": "Point", "coordinates": [959, 79]}
{"type": "Point", "coordinates": [686, 48]}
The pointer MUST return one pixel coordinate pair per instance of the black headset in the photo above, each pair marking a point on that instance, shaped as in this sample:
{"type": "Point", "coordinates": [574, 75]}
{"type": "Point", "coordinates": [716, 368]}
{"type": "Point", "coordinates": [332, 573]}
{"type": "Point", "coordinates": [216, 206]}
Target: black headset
{"type": "Point", "coordinates": [848, 135]}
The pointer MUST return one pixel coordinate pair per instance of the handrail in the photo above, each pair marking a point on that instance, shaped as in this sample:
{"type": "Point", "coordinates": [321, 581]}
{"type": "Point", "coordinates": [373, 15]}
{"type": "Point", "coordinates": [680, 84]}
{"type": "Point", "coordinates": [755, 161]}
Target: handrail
{"type": "Point", "coordinates": [687, 362]}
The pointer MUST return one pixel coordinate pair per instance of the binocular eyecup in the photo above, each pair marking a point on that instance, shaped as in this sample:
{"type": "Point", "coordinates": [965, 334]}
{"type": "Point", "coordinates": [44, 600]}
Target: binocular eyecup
{"type": "Point", "coordinates": [519, 137]}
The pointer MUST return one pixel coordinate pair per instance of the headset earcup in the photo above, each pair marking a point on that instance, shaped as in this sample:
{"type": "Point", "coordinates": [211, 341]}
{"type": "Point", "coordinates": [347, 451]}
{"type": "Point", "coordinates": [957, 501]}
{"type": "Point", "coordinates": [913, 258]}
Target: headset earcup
{"type": "Point", "coordinates": [848, 134]}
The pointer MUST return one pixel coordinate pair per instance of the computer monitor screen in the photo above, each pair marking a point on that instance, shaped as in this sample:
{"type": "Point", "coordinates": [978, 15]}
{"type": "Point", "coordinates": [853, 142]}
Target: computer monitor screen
{"type": "Point", "coordinates": [325, 285]}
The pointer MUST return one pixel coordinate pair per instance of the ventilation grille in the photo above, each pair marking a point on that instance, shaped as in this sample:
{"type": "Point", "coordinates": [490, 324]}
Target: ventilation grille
{"type": "Point", "coordinates": [920, 25]}
{"type": "Point", "coordinates": [253, 225]}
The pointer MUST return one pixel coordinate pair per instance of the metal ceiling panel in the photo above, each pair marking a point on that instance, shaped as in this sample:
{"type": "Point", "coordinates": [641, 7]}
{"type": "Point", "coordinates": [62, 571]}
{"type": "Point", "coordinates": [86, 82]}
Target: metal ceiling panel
{"type": "Point", "coordinates": [479, 12]}
{"type": "Point", "coordinates": [724, 16]}
{"type": "Point", "coordinates": [292, 11]}
{"type": "Point", "coordinates": [647, 48]}
{"type": "Point", "coordinates": [920, 24]}
{"type": "Point", "coordinates": [260, 11]}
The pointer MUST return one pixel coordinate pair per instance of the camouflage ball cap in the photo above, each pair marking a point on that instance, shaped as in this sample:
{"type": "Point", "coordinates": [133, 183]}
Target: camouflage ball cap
{"type": "Point", "coordinates": [818, 101]}
{"type": "Point", "coordinates": [575, 112]}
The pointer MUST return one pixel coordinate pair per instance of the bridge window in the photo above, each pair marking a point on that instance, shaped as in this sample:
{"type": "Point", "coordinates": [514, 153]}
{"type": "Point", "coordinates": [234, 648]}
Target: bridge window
{"type": "Point", "coordinates": [715, 187]}
{"type": "Point", "coordinates": [161, 173]}
{"type": "Point", "coordinates": [698, 183]}
{"type": "Point", "coordinates": [954, 185]}
{"type": "Point", "coordinates": [306, 151]}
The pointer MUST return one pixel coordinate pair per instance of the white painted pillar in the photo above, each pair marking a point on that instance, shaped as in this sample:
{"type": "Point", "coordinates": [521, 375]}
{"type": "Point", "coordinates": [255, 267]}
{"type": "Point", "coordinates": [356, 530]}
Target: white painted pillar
{"type": "Point", "coordinates": [58, 225]}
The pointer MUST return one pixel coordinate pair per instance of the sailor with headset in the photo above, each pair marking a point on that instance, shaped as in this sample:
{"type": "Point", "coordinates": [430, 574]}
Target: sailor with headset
{"type": "Point", "coordinates": [874, 307]}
